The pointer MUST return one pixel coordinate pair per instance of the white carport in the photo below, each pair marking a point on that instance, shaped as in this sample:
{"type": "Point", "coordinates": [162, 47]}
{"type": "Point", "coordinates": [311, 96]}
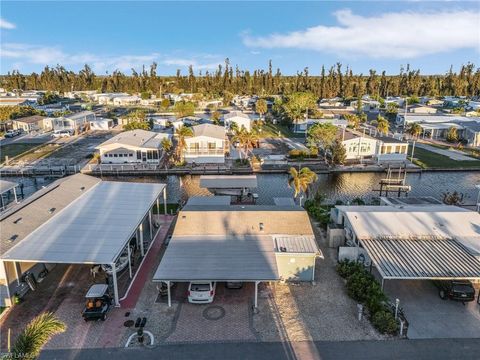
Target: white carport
{"type": "Point", "coordinates": [93, 229]}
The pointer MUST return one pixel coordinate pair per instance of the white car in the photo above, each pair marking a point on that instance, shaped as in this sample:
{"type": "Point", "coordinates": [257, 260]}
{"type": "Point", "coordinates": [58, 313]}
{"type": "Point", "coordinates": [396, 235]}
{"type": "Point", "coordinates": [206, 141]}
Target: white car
{"type": "Point", "coordinates": [61, 133]}
{"type": "Point", "coordinates": [201, 292]}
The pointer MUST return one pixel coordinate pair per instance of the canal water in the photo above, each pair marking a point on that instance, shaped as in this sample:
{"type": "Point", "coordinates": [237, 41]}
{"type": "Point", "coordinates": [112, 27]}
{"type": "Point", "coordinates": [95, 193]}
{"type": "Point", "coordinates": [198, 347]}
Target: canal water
{"type": "Point", "coordinates": [343, 186]}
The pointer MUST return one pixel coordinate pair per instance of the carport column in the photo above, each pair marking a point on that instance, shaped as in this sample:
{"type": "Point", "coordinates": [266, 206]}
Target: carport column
{"type": "Point", "coordinates": [115, 285]}
{"type": "Point", "coordinates": [7, 282]}
{"type": "Point", "coordinates": [129, 261]}
{"type": "Point", "coordinates": [150, 223]}
{"type": "Point", "coordinates": [140, 229]}
{"type": "Point", "coordinates": [165, 200]}
{"type": "Point", "coordinates": [15, 195]}
{"type": "Point", "coordinates": [17, 271]}
{"type": "Point", "coordinates": [383, 282]}
{"type": "Point", "coordinates": [169, 295]}
{"type": "Point", "coordinates": [256, 293]}
{"type": "Point", "coordinates": [158, 206]}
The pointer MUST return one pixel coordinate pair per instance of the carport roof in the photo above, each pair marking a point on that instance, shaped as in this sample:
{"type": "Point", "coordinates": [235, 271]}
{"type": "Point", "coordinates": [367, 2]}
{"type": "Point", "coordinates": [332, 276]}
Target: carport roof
{"type": "Point", "coordinates": [435, 258]}
{"type": "Point", "coordinates": [220, 258]}
{"type": "Point", "coordinates": [92, 229]}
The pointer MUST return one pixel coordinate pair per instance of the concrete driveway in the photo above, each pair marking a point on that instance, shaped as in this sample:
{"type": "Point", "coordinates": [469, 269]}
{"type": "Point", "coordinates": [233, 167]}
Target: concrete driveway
{"type": "Point", "coordinates": [431, 317]}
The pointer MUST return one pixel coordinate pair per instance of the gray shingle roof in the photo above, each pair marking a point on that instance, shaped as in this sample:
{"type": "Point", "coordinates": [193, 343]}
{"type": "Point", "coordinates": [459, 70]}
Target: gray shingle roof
{"type": "Point", "coordinates": [137, 138]}
{"type": "Point", "coordinates": [213, 131]}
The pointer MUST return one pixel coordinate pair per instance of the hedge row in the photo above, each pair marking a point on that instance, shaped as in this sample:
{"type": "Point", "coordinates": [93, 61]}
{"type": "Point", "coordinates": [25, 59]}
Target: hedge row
{"type": "Point", "coordinates": [363, 288]}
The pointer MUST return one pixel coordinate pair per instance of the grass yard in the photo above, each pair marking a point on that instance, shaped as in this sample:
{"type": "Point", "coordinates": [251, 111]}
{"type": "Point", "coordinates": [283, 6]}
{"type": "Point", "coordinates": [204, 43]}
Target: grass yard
{"type": "Point", "coordinates": [277, 130]}
{"type": "Point", "coordinates": [427, 159]}
{"type": "Point", "coordinates": [12, 150]}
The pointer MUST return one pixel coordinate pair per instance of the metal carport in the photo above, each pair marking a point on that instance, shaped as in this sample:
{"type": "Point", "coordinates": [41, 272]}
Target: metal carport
{"type": "Point", "coordinates": [247, 258]}
{"type": "Point", "coordinates": [93, 229]}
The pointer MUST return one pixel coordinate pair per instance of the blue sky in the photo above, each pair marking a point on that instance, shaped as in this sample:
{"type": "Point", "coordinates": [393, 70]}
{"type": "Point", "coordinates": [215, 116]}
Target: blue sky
{"type": "Point", "coordinates": [121, 35]}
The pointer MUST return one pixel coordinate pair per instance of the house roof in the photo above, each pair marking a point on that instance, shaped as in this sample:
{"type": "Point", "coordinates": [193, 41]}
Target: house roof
{"type": "Point", "coordinates": [92, 228]}
{"type": "Point", "coordinates": [7, 185]}
{"type": "Point", "coordinates": [420, 222]}
{"type": "Point", "coordinates": [295, 244]}
{"type": "Point", "coordinates": [30, 119]}
{"type": "Point", "coordinates": [136, 138]}
{"type": "Point", "coordinates": [234, 114]}
{"type": "Point", "coordinates": [22, 219]}
{"type": "Point", "coordinates": [79, 115]}
{"type": "Point", "coordinates": [349, 134]}
{"type": "Point", "coordinates": [390, 140]}
{"type": "Point", "coordinates": [208, 130]}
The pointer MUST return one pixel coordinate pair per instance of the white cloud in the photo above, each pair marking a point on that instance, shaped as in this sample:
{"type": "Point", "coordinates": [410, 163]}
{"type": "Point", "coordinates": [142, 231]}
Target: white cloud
{"type": "Point", "coordinates": [53, 55]}
{"type": "Point", "coordinates": [4, 24]}
{"type": "Point", "coordinates": [181, 62]}
{"type": "Point", "coordinates": [399, 35]}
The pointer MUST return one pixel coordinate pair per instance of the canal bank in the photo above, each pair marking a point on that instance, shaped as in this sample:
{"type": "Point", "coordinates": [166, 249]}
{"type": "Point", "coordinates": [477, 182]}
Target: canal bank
{"type": "Point", "coordinates": [335, 186]}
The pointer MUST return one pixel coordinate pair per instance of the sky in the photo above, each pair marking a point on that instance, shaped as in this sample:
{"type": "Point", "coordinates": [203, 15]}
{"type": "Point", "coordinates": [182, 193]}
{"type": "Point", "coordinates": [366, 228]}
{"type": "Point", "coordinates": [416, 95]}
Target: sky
{"type": "Point", "coordinates": [428, 35]}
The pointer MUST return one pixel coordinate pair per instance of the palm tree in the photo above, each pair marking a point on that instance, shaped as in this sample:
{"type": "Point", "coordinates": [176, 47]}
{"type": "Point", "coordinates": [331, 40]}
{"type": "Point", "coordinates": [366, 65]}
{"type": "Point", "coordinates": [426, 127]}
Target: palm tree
{"type": "Point", "coordinates": [37, 333]}
{"type": "Point", "coordinates": [301, 180]}
{"type": "Point", "coordinates": [182, 132]}
{"type": "Point", "coordinates": [414, 129]}
{"type": "Point", "coordinates": [382, 126]}
{"type": "Point", "coordinates": [261, 107]}
{"type": "Point", "coordinates": [246, 140]}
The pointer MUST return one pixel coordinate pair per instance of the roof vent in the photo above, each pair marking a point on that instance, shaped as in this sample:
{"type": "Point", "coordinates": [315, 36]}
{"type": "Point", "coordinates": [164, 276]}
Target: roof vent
{"type": "Point", "coordinates": [18, 220]}
{"type": "Point", "coordinates": [13, 238]}
{"type": "Point", "coordinates": [51, 210]}
{"type": "Point", "coordinates": [82, 188]}
{"type": "Point", "coordinates": [261, 226]}
{"type": "Point", "coordinates": [283, 249]}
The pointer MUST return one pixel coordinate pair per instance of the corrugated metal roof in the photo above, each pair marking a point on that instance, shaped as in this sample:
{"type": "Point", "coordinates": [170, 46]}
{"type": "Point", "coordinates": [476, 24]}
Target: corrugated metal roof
{"type": "Point", "coordinates": [92, 229]}
{"type": "Point", "coordinates": [295, 244]}
{"type": "Point", "coordinates": [227, 258]}
{"type": "Point", "coordinates": [422, 258]}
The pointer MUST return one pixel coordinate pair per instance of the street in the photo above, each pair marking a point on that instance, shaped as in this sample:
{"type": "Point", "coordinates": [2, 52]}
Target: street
{"type": "Point", "coordinates": [438, 349]}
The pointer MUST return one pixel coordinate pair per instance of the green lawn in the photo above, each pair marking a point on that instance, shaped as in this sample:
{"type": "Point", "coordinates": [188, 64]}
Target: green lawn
{"type": "Point", "coordinates": [12, 150]}
{"type": "Point", "coordinates": [277, 130]}
{"type": "Point", "coordinates": [171, 208]}
{"type": "Point", "coordinates": [427, 159]}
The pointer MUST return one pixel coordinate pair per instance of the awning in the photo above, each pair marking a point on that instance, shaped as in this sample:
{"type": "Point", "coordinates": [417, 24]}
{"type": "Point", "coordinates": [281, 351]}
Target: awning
{"type": "Point", "coordinates": [218, 258]}
{"type": "Point", "coordinates": [93, 229]}
{"type": "Point", "coordinates": [422, 259]}
{"type": "Point", "coordinates": [6, 186]}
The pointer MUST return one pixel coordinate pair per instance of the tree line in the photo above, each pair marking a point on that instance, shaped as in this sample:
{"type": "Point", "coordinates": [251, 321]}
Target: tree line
{"type": "Point", "coordinates": [226, 80]}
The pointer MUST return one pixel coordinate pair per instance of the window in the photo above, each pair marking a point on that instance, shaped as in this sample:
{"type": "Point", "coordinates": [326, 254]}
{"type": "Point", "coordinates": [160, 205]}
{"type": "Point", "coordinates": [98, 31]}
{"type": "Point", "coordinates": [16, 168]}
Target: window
{"type": "Point", "coordinates": [155, 154]}
{"type": "Point", "coordinates": [139, 155]}
{"type": "Point", "coordinates": [389, 149]}
{"type": "Point", "coordinates": [115, 155]}
{"type": "Point", "coordinates": [130, 155]}
{"type": "Point", "coordinates": [149, 155]}
{"type": "Point", "coordinates": [120, 155]}
{"type": "Point", "coordinates": [212, 146]}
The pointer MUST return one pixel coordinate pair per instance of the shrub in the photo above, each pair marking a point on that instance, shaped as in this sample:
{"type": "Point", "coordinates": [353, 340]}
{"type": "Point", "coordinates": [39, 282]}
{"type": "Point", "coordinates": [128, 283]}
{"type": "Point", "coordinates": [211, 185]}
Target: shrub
{"type": "Point", "coordinates": [358, 285]}
{"type": "Point", "coordinates": [385, 322]}
{"type": "Point", "coordinates": [346, 268]}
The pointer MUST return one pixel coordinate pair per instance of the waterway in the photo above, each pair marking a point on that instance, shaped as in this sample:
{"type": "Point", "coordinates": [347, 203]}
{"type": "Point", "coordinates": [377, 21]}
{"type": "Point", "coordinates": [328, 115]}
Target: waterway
{"type": "Point", "coordinates": [342, 186]}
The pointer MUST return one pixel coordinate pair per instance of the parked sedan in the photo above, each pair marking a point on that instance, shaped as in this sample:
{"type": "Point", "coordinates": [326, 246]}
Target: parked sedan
{"type": "Point", "coordinates": [201, 292]}
{"type": "Point", "coordinates": [12, 133]}
{"type": "Point", "coordinates": [61, 133]}
{"type": "Point", "coordinates": [459, 290]}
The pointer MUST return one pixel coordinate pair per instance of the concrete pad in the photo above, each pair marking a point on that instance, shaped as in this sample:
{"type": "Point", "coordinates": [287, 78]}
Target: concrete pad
{"type": "Point", "coordinates": [452, 154]}
{"type": "Point", "coordinates": [431, 317]}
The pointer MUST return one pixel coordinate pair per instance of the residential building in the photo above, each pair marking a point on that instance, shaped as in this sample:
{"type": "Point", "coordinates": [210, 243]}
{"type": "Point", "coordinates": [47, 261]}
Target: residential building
{"type": "Point", "coordinates": [239, 118]}
{"type": "Point", "coordinates": [421, 109]}
{"type": "Point", "coordinates": [216, 241]}
{"type": "Point", "coordinates": [368, 105]}
{"type": "Point", "coordinates": [302, 125]}
{"type": "Point", "coordinates": [358, 146]}
{"type": "Point", "coordinates": [133, 147]}
{"type": "Point", "coordinates": [76, 122]}
{"type": "Point", "coordinates": [126, 100]}
{"type": "Point", "coordinates": [32, 123]}
{"type": "Point", "coordinates": [390, 150]}
{"type": "Point", "coordinates": [101, 124]}
{"type": "Point", "coordinates": [207, 145]}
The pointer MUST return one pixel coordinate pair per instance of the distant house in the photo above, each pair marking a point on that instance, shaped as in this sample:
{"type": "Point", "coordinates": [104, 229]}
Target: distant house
{"type": "Point", "coordinates": [302, 125]}
{"type": "Point", "coordinates": [367, 105]}
{"type": "Point", "coordinates": [32, 123]}
{"type": "Point", "coordinates": [207, 145]}
{"type": "Point", "coordinates": [136, 146]}
{"type": "Point", "coordinates": [126, 100]}
{"type": "Point", "coordinates": [76, 122]}
{"type": "Point", "coordinates": [357, 145]}
{"type": "Point", "coordinates": [239, 118]}
{"type": "Point", "coordinates": [391, 150]}
{"type": "Point", "coordinates": [421, 109]}
{"type": "Point", "coordinates": [101, 124]}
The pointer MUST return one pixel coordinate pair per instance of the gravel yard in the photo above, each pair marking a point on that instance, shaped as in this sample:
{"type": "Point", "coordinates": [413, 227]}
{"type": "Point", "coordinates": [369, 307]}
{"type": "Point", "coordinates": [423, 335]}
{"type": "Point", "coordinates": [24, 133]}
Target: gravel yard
{"type": "Point", "coordinates": [323, 311]}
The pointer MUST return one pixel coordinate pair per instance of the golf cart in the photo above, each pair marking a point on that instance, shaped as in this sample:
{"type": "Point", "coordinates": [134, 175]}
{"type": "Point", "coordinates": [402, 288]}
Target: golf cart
{"type": "Point", "coordinates": [98, 303]}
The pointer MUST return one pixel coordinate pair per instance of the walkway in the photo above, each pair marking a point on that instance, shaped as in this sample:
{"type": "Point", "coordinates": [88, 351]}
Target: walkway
{"type": "Point", "coordinates": [452, 154]}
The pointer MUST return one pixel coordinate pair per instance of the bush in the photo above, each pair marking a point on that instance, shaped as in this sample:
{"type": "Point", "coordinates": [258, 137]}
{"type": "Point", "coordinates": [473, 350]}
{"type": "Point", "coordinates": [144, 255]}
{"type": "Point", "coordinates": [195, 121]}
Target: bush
{"type": "Point", "coordinates": [385, 322]}
{"type": "Point", "coordinates": [346, 268]}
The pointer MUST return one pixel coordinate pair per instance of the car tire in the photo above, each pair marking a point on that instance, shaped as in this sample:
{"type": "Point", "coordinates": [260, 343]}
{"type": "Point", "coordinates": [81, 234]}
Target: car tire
{"type": "Point", "coordinates": [104, 317]}
{"type": "Point", "coordinates": [442, 295]}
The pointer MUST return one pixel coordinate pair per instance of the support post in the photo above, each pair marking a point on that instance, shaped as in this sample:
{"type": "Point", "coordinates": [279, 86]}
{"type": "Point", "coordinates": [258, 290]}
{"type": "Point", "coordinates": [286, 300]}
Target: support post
{"type": "Point", "coordinates": [256, 294]}
{"type": "Point", "coordinates": [142, 250]}
{"type": "Point", "coordinates": [165, 200]}
{"type": "Point", "coordinates": [158, 206]}
{"type": "Point", "coordinates": [150, 224]}
{"type": "Point", "coordinates": [7, 282]}
{"type": "Point", "coordinates": [169, 295]}
{"type": "Point", "coordinates": [383, 282]}
{"type": "Point", "coordinates": [15, 195]}
{"type": "Point", "coordinates": [115, 285]}
{"type": "Point", "coordinates": [17, 273]}
{"type": "Point", "coordinates": [129, 261]}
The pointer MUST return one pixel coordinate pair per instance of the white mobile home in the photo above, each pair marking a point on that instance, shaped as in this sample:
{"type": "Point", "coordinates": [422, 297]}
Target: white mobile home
{"type": "Point", "coordinates": [239, 118]}
{"type": "Point", "coordinates": [208, 145]}
{"type": "Point", "coordinates": [76, 122]}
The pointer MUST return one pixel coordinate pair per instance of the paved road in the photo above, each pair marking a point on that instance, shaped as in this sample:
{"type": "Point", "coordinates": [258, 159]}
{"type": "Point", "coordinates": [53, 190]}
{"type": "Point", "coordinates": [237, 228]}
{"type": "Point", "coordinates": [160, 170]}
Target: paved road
{"type": "Point", "coordinates": [27, 138]}
{"type": "Point", "coordinates": [437, 349]}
